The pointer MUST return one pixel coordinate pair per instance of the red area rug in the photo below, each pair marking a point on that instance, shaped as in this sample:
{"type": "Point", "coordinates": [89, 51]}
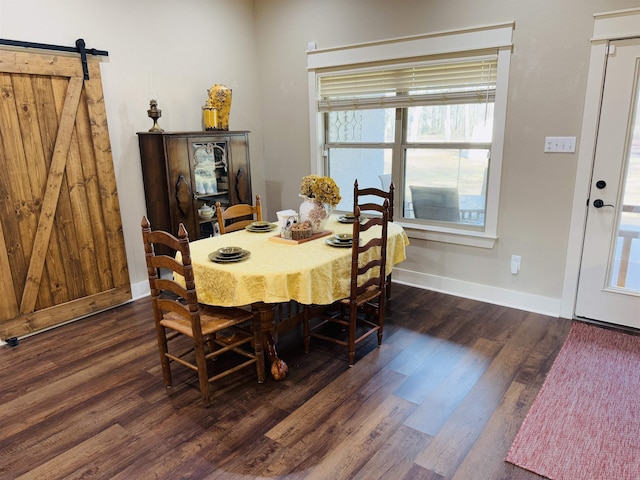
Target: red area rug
{"type": "Point", "coordinates": [585, 421]}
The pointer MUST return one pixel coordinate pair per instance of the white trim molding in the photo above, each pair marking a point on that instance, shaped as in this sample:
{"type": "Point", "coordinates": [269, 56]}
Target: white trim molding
{"type": "Point", "coordinates": [475, 291]}
{"type": "Point", "coordinates": [607, 27]}
{"type": "Point", "coordinates": [498, 38]}
{"type": "Point", "coordinates": [616, 25]}
{"type": "Point", "coordinates": [479, 38]}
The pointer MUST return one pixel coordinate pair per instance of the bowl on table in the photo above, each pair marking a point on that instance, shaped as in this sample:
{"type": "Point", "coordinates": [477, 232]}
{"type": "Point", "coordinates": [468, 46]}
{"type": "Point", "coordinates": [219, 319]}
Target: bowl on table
{"type": "Point", "coordinates": [261, 224]}
{"type": "Point", "coordinates": [229, 252]}
{"type": "Point", "coordinates": [343, 237]}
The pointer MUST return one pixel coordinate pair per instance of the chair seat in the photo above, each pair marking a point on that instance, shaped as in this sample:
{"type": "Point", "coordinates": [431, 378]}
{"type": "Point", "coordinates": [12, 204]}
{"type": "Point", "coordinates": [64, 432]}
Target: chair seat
{"type": "Point", "coordinates": [213, 319]}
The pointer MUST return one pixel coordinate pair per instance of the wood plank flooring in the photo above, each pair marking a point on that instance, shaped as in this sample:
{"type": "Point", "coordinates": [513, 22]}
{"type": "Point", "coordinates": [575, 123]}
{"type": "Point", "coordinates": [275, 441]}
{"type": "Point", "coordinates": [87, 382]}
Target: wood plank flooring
{"type": "Point", "coordinates": [442, 398]}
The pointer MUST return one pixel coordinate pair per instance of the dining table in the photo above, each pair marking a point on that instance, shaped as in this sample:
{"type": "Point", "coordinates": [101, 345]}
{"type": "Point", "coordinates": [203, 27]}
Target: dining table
{"type": "Point", "coordinates": [273, 270]}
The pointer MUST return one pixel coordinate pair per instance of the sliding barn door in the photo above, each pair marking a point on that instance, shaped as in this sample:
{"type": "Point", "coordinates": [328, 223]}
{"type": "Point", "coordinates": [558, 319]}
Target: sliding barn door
{"type": "Point", "coordinates": [62, 250]}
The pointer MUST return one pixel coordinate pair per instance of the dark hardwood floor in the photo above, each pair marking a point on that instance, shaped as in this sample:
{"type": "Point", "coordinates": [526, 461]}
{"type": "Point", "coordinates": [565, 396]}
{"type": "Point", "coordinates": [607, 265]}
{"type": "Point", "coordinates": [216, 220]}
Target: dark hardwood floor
{"type": "Point", "coordinates": [442, 398]}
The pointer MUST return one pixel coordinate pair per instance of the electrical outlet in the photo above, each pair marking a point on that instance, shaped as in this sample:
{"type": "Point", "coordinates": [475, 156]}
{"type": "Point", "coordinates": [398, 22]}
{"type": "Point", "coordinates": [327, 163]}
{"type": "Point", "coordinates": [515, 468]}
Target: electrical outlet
{"type": "Point", "coordinates": [515, 264]}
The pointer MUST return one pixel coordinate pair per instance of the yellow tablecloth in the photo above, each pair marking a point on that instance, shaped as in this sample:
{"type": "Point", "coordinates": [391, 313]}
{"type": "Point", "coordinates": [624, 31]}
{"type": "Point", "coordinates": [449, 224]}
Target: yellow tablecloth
{"type": "Point", "coordinates": [310, 273]}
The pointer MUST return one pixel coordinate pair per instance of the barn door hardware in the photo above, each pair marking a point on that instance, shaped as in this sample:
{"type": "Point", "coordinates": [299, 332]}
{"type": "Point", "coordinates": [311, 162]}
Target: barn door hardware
{"type": "Point", "coordinates": [79, 48]}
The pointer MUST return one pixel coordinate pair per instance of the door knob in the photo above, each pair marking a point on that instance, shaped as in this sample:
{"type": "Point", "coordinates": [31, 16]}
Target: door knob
{"type": "Point", "coordinates": [599, 204]}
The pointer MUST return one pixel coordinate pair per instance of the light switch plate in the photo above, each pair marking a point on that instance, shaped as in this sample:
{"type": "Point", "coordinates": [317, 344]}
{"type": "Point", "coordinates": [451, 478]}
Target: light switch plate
{"type": "Point", "coordinates": [560, 144]}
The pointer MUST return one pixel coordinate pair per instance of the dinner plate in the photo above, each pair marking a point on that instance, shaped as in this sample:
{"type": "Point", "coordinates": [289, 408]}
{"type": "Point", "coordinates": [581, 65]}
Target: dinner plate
{"type": "Point", "coordinates": [344, 219]}
{"type": "Point", "coordinates": [269, 228]}
{"type": "Point", "coordinates": [332, 242]}
{"type": "Point", "coordinates": [215, 257]}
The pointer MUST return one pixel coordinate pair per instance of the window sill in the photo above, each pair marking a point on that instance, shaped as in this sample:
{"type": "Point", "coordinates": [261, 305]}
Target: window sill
{"type": "Point", "coordinates": [449, 235]}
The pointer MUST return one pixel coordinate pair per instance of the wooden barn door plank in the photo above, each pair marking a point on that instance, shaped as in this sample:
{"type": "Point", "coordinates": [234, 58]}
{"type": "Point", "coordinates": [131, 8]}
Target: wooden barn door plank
{"type": "Point", "coordinates": [65, 222]}
{"type": "Point", "coordinates": [34, 159]}
{"type": "Point", "coordinates": [52, 192]}
{"type": "Point", "coordinates": [113, 262]}
{"type": "Point", "coordinates": [87, 221]}
{"type": "Point", "coordinates": [17, 218]}
{"type": "Point", "coordinates": [61, 233]}
{"type": "Point", "coordinates": [48, 119]}
{"type": "Point", "coordinates": [8, 302]}
{"type": "Point", "coordinates": [50, 64]}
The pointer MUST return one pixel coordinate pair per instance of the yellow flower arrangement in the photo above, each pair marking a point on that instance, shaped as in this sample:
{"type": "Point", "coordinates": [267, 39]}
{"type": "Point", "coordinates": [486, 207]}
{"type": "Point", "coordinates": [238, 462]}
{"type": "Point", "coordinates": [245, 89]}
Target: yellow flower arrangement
{"type": "Point", "coordinates": [322, 189]}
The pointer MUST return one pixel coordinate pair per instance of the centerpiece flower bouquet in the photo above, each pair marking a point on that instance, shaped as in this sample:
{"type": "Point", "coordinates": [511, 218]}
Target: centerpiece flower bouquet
{"type": "Point", "coordinates": [321, 189]}
{"type": "Point", "coordinates": [321, 195]}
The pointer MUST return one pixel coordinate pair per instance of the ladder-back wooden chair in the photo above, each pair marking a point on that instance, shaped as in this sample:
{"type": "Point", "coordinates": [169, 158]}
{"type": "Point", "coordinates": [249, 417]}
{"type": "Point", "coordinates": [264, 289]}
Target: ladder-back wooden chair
{"type": "Point", "coordinates": [213, 331]}
{"type": "Point", "coordinates": [362, 313]}
{"type": "Point", "coordinates": [389, 196]}
{"type": "Point", "coordinates": [238, 216]}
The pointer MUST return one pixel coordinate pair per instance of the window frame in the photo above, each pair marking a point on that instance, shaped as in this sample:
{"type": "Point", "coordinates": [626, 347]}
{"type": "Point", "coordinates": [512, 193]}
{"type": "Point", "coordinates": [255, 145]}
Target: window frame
{"type": "Point", "coordinates": [461, 42]}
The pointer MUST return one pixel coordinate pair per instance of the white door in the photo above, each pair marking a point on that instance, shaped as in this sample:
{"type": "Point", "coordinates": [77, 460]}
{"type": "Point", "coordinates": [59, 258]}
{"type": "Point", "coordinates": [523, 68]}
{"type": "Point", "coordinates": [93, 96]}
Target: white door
{"type": "Point", "coordinates": [609, 282]}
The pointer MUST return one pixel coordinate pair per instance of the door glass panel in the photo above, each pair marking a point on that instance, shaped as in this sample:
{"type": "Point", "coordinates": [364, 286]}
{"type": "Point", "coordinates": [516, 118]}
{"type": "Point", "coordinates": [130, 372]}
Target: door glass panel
{"type": "Point", "coordinates": [625, 268]}
{"type": "Point", "coordinates": [210, 169]}
{"type": "Point", "coordinates": [211, 177]}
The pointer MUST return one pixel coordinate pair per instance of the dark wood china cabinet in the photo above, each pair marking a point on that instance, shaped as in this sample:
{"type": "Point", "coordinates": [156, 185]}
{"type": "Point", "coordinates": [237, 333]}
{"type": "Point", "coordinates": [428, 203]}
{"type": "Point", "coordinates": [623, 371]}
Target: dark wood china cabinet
{"type": "Point", "coordinates": [183, 171]}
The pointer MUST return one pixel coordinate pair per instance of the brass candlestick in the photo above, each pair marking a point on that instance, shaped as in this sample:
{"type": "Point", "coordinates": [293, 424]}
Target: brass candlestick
{"type": "Point", "coordinates": [154, 113]}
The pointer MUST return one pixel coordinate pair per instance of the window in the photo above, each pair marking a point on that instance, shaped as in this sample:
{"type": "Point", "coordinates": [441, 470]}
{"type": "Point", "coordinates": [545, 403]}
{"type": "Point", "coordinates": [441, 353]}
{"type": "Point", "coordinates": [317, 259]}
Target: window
{"type": "Point", "coordinates": [432, 123]}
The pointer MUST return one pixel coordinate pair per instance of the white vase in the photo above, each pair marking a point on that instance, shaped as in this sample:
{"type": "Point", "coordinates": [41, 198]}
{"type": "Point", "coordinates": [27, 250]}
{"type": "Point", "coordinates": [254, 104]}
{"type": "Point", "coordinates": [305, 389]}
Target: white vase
{"type": "Point", "coordinates": [315, 213]}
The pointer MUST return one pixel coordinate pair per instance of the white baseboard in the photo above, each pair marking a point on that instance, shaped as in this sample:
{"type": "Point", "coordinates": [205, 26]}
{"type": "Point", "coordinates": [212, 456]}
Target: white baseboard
{"type": "Point", "coordinates": [140, 290]}
{"type": "Point", "coordinates": [484, 293]}
{"type": "Point", "coordinates": [475, 291]}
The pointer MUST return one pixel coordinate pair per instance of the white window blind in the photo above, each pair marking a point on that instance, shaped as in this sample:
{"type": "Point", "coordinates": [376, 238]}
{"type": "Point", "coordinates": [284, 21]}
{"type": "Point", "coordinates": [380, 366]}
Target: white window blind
{"type": "Point", "coordinates": [390, 87]}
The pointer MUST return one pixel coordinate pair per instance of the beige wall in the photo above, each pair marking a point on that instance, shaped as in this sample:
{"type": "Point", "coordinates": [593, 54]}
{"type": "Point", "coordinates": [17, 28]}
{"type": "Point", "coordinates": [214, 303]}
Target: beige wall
{"type": "Point", "coordinates": [546, 96]}
{"type": "Point", "coordinates": [175, 50]}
